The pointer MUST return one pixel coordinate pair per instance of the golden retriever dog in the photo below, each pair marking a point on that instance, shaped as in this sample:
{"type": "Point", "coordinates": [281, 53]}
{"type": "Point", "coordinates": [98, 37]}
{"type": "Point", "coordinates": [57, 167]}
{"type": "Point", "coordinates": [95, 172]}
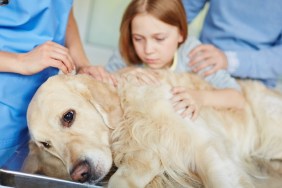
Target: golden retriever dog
{"type": "Point", "coordinates": [89, 126]}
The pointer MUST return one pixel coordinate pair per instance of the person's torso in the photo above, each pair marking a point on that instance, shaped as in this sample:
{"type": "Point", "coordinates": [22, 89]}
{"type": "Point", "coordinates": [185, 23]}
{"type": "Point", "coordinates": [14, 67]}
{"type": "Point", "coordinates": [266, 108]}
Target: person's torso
{"type": "Point", "coordinates": [25, 24]}
{"type": "Point", "coordinates": [248, 24]}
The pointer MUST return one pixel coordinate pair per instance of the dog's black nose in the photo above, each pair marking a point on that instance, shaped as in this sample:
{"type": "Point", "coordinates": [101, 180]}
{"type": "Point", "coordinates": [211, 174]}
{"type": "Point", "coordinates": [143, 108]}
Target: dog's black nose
{"type": "Point", "coordinates": [81, 172]}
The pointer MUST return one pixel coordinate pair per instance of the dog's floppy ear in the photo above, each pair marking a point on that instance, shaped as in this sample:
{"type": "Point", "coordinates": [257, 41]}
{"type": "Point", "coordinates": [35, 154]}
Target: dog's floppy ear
{"type": "Point", "coordinates": [106, 102]}
{"type": "Point", "coordinates": [41, 162]}
{"type": "Point", "coordinates": [105, 99]}
{"type": "Point", "coordinates": [103, 113]}
{"type": "Point", "coordinates": [31, 164]}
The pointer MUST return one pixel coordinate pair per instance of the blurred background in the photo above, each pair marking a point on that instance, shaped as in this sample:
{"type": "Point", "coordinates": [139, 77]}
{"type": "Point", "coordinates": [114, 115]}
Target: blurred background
{"type": "Point", "coordinates": [98, 22]}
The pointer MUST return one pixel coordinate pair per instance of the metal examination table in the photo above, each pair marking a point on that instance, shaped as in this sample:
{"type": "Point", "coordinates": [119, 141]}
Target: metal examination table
{"type": "Point", "coordinates": [10, 179]}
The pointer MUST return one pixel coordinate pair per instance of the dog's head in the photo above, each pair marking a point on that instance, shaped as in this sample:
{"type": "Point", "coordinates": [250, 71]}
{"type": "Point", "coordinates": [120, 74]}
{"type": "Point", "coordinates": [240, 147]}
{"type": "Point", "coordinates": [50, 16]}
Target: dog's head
{"type": "Point", "coordinates": [70, 118]}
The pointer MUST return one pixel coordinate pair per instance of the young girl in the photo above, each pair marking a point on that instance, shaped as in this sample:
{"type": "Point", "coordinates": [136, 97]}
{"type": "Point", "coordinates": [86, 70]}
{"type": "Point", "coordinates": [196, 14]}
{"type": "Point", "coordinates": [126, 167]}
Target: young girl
{"type": "Point", "coordinates": [153, 34]}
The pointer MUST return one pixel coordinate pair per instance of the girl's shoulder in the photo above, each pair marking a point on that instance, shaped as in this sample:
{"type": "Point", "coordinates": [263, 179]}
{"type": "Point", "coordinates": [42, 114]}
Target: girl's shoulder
{"type": "Point", "coordinates": [183, 53]}
{"type": "Point", "coordinates": [187, 46]}
{"type": "Point", "coordinates": [190, 43]}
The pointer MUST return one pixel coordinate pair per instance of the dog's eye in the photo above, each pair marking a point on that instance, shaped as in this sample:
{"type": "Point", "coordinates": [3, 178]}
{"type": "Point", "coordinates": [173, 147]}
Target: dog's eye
{"type": "Point", "coordinates": [46, 145]}
{"type": "Point", "coordinates": [68, 118]}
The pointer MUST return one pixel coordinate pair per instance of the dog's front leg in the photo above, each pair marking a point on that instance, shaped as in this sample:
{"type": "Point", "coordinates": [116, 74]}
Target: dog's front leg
{"type": "Point", "coordinates": [135, 175]}
{"type": "Point", "coordinates": [217, 170]}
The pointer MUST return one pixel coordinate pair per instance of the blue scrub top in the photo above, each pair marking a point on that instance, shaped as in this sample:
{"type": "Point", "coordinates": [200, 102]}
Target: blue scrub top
{"type": "Point", "coordinates": [25, 24]}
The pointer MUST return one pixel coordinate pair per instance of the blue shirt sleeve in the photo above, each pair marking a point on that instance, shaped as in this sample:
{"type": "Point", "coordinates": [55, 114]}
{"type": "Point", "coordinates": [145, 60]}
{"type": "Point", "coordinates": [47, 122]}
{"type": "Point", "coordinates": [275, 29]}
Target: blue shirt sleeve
{"type": "Point", "coordinates": [193, 8]}
{"type": "Point", "coordinates": [263, 64]}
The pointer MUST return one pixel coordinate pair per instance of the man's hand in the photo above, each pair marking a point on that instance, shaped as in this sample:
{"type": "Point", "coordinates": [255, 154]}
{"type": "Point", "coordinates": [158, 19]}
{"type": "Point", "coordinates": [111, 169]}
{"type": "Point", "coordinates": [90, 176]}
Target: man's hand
{"type": "Point", "coordinates": [207, 55]}
{"type": "Point", "coordinates": [142, 75]}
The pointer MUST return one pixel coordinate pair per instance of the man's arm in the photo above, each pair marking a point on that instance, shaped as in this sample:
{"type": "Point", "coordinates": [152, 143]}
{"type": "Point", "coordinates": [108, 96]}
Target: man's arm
{"type": "Point", "coordinates": [261, 64]}
{"type": "Point", "coordinates": [193, 8]}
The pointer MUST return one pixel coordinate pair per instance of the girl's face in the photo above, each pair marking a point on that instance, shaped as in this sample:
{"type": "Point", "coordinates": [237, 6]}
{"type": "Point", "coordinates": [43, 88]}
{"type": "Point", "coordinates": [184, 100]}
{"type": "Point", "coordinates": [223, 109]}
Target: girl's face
{"type": "Point", "coordinates": [155, 42]}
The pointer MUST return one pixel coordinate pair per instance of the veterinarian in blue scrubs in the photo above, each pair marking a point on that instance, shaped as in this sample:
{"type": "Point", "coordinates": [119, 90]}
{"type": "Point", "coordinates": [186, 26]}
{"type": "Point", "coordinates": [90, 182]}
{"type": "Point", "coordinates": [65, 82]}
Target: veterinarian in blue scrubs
{"type": "Point", "coordinates": [33, 36]}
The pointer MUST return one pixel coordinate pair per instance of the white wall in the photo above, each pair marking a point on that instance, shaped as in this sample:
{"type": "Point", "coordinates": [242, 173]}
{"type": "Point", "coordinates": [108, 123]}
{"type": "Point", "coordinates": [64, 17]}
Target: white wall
{"type": "Point", "coordinates": [98, 22]}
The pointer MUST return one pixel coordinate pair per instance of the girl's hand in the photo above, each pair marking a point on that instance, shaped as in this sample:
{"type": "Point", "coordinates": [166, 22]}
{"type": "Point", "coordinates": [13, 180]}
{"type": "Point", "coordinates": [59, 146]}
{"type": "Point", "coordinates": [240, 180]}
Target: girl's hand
{"type": "Point", "coordinates": [99, 73]}
{"type": "Point", "coordinates": [184, 102]}
{"type": "Point", "coordinates": [207, 55]}
{"type": "Point", "coordinates": [49, 54]}
{"type": "Point", "coordinates": [143, 76]}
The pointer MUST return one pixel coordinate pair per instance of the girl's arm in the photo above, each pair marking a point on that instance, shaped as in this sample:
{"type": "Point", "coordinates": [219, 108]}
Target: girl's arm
{"type": "Point", "coordinates": [221, 98]}
{"type": "Point", "coordinates": [227, 92]}
{"type": "Point", "coordinates": [188, 102]}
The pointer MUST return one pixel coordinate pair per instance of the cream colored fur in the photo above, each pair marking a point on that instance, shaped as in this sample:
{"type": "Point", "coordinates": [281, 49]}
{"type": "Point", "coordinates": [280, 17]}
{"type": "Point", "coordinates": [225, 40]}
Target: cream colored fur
{"type": "Point", "coordinates": [136, 127]}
